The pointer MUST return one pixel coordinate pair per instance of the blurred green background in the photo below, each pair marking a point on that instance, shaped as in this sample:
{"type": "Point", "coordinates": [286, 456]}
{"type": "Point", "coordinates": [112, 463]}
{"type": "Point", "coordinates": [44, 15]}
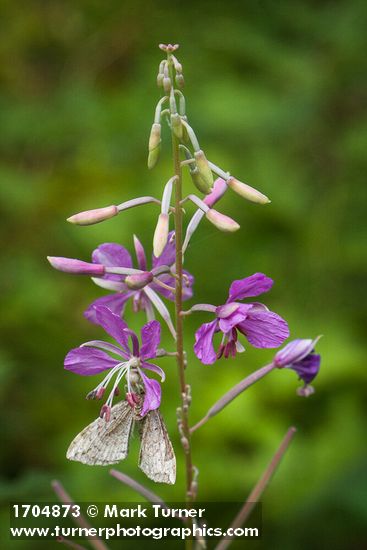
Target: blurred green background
{"type": "Point", "coordinates": [276, 92]}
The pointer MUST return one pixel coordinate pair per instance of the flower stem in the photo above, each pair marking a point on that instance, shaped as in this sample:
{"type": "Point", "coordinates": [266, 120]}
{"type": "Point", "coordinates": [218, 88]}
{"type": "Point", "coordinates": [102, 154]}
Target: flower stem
{"type": "Point", "coordinates": [233, 393]}
{"type": "Point", "coordinates": [259, 488]}
{"type": "Point", "coordinates": [178, 308]}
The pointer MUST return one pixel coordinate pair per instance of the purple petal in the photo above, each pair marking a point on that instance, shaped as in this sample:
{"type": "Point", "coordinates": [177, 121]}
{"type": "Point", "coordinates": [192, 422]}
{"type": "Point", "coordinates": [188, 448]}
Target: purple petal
{"type": "Point", "coordinates": [88, 361]}
{"type": "Point", "coordinates": [249, 286]}
{"type": "Point", "coordinates": [168, 255]}
{"type": "Point", "coordinates": [113, 325]}
{"type": "Point", "coordinates": [234, 318]}
{"type": "Point", "coordinates": [308, 367]}
{"type": "Point", "coordinates": [152, 398]}
{"type": "Point", "coordinates": [294, 351]}
{"type": "Point", "coordinates": [154, 368]}
{"type": "Point", "coordinates": [264, 329]}
{"type": "Point", "coordinates": [150, 338]}
{"type": "Point", "coordinates": [112, 255]}
{"type": "Point", "coordinates": [114, 302]}
{"type": "Point", "coordinates": [203, 347]}
{"type": "Point", "coordinates": [140, 254]}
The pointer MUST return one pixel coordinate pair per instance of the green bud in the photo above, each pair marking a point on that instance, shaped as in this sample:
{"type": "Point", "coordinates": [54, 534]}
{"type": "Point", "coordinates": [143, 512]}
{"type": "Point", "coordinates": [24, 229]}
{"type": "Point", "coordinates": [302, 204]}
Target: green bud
{"type": "Point", "coordinates": [204, 169]}
{"type": "Point", "coordinates": [160, 77]}
{"type": "Point", "coordinates": [155, 136]}
{"type": "Point", "coordinates": [154, 145]}
{"type": "Point", "coordinates": [199, 182]}
{"type": "Point", "coordinates": [177, 125]}
{"type": "Point", "coordinates": [153, 157]}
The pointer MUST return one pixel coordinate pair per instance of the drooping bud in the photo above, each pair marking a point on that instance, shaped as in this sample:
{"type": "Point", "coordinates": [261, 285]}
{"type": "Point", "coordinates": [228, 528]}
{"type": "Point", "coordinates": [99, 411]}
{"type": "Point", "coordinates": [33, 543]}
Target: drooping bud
{"type": "Point", "coordinates": [167, 84]}
{"type": "Point", "coordinates": [70, 265]}
{"type": "Point", "coordinates": [246, 191]}
{"type": "Point", "coordinates": [204, 169]}
{"type": "Point", "coordinates": [198, 181]}
{"type": "Point", "coordinates": [219, 188]}
{"type": "Point", "coordinates": [221, 221]}
{"type": "Point", "coordinates": [180, 81]}
{"type": "Point", "coordinates": [160, 78]}
{"type": "Point", "coordinates": [89, 217]}
{"type": "Point", "coordinates": [140, 280]}
{"type": "Point", "coordinates": [154, 145]}
{"type": "Point", "coordinates": [160, 234]}
{"type": "Point", "coordinates": [176, 124]}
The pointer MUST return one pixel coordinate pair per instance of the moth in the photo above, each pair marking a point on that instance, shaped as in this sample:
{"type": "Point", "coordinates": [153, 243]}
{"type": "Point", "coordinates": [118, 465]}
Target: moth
{"type": "Point", "coordinates": [102, 443]}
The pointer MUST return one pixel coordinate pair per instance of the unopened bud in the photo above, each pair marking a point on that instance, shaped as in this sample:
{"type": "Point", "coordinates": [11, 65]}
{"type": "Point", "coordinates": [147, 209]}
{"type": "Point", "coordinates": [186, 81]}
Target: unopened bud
{"type": "Point", "coordinates": [221, 221]}
{"type": "Point", "coordinates": [160, 77]}
{"type": "Point", "coordinates": [155, 136]}
{"type": "Point", "coordinates": [177, 126]}
{"type": "Point", "coordinates": [180, 81]}
{"type": "Point", "coordinates": [246, 191]}
{"type": "Point", "coordinates": [219, 188]}
{"type": "Point", "coordinates": [69, 265]}
{"type": "Point", "coordinates": [167, 84]}
{"type": "Point", "coordinates": [140, 280]}
{"type": "Point", "coordinates": [89, 217]}
{"type": "Point", "coordinates": [154, 145]}
{"type": "Point", "coordinates": [204, 169]}
{"type": "Point", "coordinates": [199, 182]}
{"type": "Point", "coordinates": [160, 235]}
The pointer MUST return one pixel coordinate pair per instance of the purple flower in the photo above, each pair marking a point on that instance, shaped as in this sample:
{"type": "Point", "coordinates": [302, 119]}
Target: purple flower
{"type": "Point", "coordinates": [299, 355]}
{"type": "Point", "coordinates": [144, 294]}
{"type": "Point", "coordinates": [262, 328]}
{"type": "Point", "coordinates": [131, 358]}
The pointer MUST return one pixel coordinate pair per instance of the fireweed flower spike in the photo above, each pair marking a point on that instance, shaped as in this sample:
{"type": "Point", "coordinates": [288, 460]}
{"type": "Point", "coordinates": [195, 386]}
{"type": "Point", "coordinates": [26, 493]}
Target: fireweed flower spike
{"type": "Point", "coordinates": [262, 328]}
{"type": "Point", "coordinates": [131, 362]}
{"type": "Point", "coordinates": [143, 296]}
{"type": "Point", "coordinates": [299, 355]}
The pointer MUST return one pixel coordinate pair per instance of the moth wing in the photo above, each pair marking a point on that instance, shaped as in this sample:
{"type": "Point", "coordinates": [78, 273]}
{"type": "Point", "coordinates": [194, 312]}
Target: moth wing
{"type": "Point", "coordinates": [101, 442]}
{"type": "Point", "coordinates": [157, 458]}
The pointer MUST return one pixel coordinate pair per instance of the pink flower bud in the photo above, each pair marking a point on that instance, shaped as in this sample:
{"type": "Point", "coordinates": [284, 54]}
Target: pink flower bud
{"type": "Point", "coordinates": [222, 222]}
{"type": "Point", "coordinates": [219, 188]}
{"type": "Point", "coordinates": [140, 280]}
{"type": "Point", "coordinates": [160, 235]}
{"type": "Point", "coordinates": [246, 191]}
{"type": "Point", "coordinates": [89, 217]}
{"type": "Point", "coordinates": [69, 265]}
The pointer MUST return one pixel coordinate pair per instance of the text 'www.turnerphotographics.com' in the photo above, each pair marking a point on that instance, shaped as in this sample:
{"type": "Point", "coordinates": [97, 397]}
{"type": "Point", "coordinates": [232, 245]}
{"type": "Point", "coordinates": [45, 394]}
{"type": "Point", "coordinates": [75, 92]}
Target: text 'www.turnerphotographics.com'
{"type": "Point", "coordinates": [50, 521]}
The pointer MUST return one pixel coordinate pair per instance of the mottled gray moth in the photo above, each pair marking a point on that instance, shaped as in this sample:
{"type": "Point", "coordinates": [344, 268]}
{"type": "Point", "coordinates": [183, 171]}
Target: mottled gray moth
{"type": "Point", "coordinates": [102, 443]}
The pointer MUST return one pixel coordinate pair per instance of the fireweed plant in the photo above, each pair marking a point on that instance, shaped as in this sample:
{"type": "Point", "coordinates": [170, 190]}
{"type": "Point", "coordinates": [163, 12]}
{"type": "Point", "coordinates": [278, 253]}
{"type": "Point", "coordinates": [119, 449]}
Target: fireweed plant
{"type": "Point", "coordinates": [130, 366]}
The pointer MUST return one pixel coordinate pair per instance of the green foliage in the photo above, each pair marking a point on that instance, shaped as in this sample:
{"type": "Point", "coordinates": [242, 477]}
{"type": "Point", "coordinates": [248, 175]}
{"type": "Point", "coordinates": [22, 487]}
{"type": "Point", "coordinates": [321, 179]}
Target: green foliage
{"type": "Point", "coordinates": [275, 91]}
